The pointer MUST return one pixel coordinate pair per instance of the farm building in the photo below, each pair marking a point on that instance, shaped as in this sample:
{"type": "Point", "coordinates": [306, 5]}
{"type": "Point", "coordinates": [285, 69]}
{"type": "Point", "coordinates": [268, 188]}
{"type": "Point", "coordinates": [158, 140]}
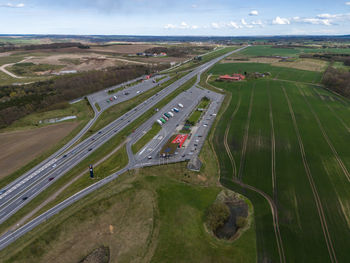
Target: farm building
{"type": "Point", "coordinates": [233, 77]}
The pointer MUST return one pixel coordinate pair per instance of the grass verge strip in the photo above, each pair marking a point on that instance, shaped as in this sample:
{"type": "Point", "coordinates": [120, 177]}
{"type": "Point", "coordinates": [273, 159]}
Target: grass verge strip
{"type": "Point", "coordinates": [146, 138]}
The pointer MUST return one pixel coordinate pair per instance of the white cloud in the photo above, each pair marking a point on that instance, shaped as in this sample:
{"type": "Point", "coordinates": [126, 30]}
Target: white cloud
{"type": "Point", "coordinates": [170, 26]}
{"type": "Point", "coordinates": [215, 25]}
{"type": "Point", "coordinates": [313, 21]}
{"type": "Point", "coordinates": [10, 5]}
{"type": "Point", "coordinates": [257, 23]}
{"type": "Point", "coordinates": [327, 16]}
{"type": "Point", "coordinates": [194, 6]}
{"type": "Point", "coordinates": [194, 27]}
{"type": "Point", "coordinates": [254, 13]}
{"type": "Point", "coordinates": [280, 21]}
{"type": "Point", "coordinates": [184, 25]}
{"type": "Point", "coordinates": [234, 25]}
{"type": "Point", "coordinates": [245, 24]}
{"type": "Point", "coordinates": [347, 3]}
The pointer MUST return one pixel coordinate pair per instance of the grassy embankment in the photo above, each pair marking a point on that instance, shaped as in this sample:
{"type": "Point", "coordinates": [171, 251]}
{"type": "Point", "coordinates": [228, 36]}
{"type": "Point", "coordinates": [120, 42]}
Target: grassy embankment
{"type": "Point", "coordinates": [279, 171]}
{"type": "Point", "coordinates": [137, 146]}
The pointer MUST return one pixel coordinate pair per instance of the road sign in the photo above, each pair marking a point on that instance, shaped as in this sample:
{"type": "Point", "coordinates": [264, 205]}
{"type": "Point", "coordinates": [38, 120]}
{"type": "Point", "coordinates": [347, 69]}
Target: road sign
{"type": "Point", "coordinates": [91, 171]}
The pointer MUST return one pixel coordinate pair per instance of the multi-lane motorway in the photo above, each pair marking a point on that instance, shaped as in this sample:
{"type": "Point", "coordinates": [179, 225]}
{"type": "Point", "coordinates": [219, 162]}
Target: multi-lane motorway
{"type": "Point", "coordinates": [31, 184]}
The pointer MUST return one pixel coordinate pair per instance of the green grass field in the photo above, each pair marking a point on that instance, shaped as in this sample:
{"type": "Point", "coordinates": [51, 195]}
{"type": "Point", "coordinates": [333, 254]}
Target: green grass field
{"type": "Point", "coordinates": [281, 73]}
{"type": "Point", "coordinates": [288, 52]}
{"type": "Point", "coordinates": [263, 118]}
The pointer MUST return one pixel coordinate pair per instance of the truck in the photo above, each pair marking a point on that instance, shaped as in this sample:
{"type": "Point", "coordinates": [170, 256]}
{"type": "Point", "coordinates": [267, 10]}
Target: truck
{"type": "Point", "coordinates": [180, 105]}
{"type": "Point", "coordinates": [162, 120]}
{"type": "Point", "coordinates": [171, 114]}
{"type": "Point", "coordinates": [176, 109]}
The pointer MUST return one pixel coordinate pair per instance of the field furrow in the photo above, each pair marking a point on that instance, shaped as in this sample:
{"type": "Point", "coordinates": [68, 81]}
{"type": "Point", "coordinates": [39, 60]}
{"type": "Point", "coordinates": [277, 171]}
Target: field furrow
{"type": "Point", "coordinates": [317, 200]}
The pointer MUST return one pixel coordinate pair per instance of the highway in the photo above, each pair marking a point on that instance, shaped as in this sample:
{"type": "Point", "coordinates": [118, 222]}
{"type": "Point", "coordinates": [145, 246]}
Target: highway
{"type": "Point", "coordinates": [35, 182]}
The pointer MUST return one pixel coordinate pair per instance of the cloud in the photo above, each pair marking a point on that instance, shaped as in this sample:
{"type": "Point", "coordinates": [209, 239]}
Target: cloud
{"type": "Point", "coordinates": [9, 5]}
{"type": "Point", "coordinates": [327, 16]}
{"type": "Point", "coordinates": [313, 21]}
{"type": "Point", "coordinates": [245, 24]}
{"type": "Point", "coordinates": [347, 3]}
{"type": "Point", "coordinates": [215, 25]}
{"type": "Point", "coordinates": [280, 21]}
{"type": "Point", "coordinates": [234, 25]}
{"type": "Point", "coordinates": [194, 6]}
{"type": "Point", "coordinates": [170, 26]}
{"type": "Point", "coordinates": [254, 13]}
{"type": "Point", "coordinates": [182, 25]}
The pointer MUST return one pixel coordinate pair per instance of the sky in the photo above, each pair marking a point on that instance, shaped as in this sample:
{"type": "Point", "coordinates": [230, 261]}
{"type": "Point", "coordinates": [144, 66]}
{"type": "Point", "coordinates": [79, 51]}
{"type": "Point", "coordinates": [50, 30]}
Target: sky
{"type": "Point", "coordinates": [175, 17]}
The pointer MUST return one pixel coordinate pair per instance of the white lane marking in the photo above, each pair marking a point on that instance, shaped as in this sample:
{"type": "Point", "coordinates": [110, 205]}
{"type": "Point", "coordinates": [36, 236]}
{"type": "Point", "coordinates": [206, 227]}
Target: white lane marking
{"type": "Point", "coordinates": [29, 177]}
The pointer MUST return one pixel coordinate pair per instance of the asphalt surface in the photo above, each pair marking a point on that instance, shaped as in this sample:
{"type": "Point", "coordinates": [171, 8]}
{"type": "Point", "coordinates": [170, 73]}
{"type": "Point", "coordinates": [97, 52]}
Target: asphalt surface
{"type": "Point", "coordinates": [106, 100]}
{"type": "Point", "coordinates": [34, 182]}
{"type": "Point", "coordinates": [191, 149]}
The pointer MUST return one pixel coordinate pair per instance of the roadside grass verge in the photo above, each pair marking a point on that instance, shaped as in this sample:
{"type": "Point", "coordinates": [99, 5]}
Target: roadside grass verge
{"type": "Point", "coordinates": [84, 112]}
{"type": "Point", "coordinates": [97, 106]}
{"type": "Point", "coordinates": [94, 157]}
{"type": "Point", "coordinates": [146, 138]}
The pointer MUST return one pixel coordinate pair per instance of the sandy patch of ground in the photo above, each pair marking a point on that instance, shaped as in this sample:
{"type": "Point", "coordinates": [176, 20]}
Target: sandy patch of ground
{"type": "Point", "coordinates": [304, 64]}
{"type": "Point", "coordinates": [79, 62]}
{"type": "Point", "coordinates": [23, 146]}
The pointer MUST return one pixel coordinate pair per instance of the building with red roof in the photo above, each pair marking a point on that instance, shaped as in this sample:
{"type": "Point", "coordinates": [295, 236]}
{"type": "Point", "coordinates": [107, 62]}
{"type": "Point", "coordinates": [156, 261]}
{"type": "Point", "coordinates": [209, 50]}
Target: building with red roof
{"type": "Point", "coordinates": [233, 77]}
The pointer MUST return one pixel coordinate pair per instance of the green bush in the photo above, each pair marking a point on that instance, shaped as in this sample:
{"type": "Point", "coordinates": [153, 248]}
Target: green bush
{"type": "Point", "coordinates": [241, 222]}
{"type": "Point", "coordinates": [217, 214]}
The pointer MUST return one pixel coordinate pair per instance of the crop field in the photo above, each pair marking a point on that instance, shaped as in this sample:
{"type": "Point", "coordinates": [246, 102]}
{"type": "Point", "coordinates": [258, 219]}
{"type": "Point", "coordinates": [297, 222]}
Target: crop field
{"type": "Point", "coordinates": [283, 144]}
{"type": "Point", "coordinates": [280, 73]}
{"type": "Point", "coordinates": [289, 52]}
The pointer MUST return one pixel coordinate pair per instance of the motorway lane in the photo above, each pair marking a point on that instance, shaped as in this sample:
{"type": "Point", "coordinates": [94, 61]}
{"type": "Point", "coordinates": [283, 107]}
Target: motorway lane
{"type": "Point", "coordinates": [109, 129]}
{"type": "Point", "coordinates": [102, 96]}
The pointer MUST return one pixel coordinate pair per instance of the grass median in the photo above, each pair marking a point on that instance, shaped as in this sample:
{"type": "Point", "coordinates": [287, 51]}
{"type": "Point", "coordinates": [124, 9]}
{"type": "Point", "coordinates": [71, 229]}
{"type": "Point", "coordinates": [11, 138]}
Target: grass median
{"type": "Point", "coordinates": [146, 138]}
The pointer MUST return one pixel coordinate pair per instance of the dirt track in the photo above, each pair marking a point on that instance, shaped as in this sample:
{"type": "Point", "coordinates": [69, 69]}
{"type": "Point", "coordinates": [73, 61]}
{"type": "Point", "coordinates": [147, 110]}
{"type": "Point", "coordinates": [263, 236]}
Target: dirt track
{"type": "Point", "coordinates": [21, 147]}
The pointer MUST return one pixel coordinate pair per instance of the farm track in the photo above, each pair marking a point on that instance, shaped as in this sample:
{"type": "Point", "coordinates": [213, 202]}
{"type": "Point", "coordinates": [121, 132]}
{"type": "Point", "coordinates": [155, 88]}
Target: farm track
{"type": "Point", "coordinates": [322, 217]}
{"type": "Point", "coordinates": [325, 136]}
{"type": "Point", "coordinates": [273, 148]}
{"type": "Point", "coordinates": [226, 135]}
{"type": "Point", "coordinates": [333, 111]}
{"type": "Point", "coordinates": [271, 202]}
{"type": "Point", "coordinates": [246, 136]}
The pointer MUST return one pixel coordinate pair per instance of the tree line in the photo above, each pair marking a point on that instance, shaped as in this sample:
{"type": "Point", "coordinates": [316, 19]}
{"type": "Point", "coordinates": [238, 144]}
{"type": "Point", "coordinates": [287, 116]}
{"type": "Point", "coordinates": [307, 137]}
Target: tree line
{"type": "Point", "coordinates": [337, 80]}
{"type": "Point", "coordinates": [19, 101]}
{"type": "Point", "coordinates": [11, 47]}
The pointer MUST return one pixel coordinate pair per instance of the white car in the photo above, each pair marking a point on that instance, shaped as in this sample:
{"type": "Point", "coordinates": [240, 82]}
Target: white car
{"type": "Point", "coordinates": [137, 92]}
{"type": "Point", "coordinates": [53, 166]}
